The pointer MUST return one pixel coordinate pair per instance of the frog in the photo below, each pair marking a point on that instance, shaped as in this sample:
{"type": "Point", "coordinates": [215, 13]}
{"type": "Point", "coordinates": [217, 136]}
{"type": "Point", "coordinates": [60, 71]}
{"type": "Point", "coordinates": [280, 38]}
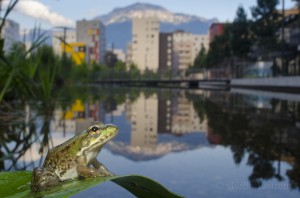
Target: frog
{"type": "Point", "coordinates": [75, 158]}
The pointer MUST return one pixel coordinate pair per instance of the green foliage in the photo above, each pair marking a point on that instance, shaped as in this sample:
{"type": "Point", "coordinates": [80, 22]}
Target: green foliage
{"type": "Point", "coordinates": [240, 40]}
{"type": "Point", "coordinates": [240, 36]}
{"type": "Point", "coordinates": [149, 74]}
{"type": "Point", "coordinates": [46, 74]}
{"type": "Point", "coordinates": [266, 24]}
{"type": "Point", "coordinates": [10, 7]}
{"type": "Point", "coordinates": [17, 184]}
{"type": "Point", "coordinates": [120, 66]}
{"type": "Point", "coordinates": [200, 61]}
{"type": "Point", "coordinates": [220, 48]}
{"type": "Point", "coordinates": [18, 73]}
{"type": "Point", "coordinates": [134, 71]}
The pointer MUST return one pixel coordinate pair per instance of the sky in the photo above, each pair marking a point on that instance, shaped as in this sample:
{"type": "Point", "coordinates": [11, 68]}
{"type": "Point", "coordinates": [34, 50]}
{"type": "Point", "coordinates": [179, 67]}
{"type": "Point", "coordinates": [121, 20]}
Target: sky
{"type": "Point", "coordinates": [52, 13]}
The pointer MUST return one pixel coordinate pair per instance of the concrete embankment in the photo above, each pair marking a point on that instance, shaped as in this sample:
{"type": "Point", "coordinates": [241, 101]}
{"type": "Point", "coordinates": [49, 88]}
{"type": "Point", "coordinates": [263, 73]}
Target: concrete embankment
{"type": "Point", "coordinates": [288, 84]}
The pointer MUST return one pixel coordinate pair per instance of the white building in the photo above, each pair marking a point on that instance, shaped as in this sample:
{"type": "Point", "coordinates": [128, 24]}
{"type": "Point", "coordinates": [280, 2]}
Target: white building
{"type": "Point", "coordinates": [120, 54]}
{"type": "Point", "coordinates": [128, 55]}
{"type": "Point", "coordinates": [92, 33]}
{"type": "Point", "coordinates": [10, 33]}
{"type": "Point", "coordinates": [199, 40]}
{"type": "Point", "coordinates": [145, 43]}
{"type": "Point", "coordinates": [70, 37]}
{"type": "Point", "coordinates": [186, 47]}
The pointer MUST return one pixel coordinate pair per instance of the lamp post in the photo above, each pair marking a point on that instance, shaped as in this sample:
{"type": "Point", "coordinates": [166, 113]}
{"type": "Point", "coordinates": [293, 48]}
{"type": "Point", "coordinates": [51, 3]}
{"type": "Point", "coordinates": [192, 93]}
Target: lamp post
{"type": "Point", "coordinates": [282, 41]}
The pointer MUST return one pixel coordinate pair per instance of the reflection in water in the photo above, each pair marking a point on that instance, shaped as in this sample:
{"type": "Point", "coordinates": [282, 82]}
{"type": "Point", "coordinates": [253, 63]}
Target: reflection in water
{"type": "Point", "coordinates": [143, 114]}
{"type": "Point", "coordinates": [25, 133]}
{"type": "Point", "coordinates": [266, 134]}
{"type": "Point", "coordinates": [154, 123]}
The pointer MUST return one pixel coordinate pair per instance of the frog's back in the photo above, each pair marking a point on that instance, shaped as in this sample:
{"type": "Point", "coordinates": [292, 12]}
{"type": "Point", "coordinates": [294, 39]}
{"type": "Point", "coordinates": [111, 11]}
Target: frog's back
{"type": "Point", "coordinates": [61, 159]}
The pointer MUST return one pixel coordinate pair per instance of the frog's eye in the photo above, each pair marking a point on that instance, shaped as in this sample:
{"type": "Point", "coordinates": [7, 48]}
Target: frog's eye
{"type": "Point", "coordinates": [94, 129]}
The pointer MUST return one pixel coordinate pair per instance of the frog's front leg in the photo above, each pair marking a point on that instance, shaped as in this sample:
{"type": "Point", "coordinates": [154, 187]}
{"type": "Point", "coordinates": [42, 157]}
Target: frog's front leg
{"type": "Point", "coordinates": [99, 166]}
{"type": "Point", "coordinates": [86, 171]}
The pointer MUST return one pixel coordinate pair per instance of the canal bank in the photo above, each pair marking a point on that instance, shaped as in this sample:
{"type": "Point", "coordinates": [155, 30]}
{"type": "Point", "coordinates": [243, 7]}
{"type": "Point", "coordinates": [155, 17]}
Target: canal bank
{"type": "Point", "coordinates": [285, 84]}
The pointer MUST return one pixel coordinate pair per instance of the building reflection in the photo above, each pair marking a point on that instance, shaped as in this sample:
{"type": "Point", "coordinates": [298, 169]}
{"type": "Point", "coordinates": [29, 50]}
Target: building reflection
{"type": "Point", "coordinates": [158, 123]}
{"type": "Point", "coordinates": [143, 117]}
{"type": "Point", "coordinates": [260, 129]}
{"type": "Point", "coordinates": [77, 117]}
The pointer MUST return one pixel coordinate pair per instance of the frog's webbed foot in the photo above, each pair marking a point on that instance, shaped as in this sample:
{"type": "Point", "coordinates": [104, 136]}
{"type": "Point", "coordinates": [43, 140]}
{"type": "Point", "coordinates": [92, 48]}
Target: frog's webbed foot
{"type": "Point", "coordinates": [99, 166]}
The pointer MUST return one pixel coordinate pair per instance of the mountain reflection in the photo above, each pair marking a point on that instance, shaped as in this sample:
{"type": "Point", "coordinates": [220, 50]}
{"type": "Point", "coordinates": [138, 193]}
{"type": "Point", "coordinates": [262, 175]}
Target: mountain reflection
{"type": "Point", "coordinates": [154, 123]}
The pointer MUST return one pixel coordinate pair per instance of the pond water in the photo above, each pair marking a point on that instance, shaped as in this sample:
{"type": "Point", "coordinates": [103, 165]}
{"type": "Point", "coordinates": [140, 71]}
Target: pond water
{"type": "Point", "coordinates": [197, 143]}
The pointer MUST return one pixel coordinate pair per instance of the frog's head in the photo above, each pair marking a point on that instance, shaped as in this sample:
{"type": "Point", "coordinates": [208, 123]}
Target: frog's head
{"type": "Point", "coordinates": [97, 135]}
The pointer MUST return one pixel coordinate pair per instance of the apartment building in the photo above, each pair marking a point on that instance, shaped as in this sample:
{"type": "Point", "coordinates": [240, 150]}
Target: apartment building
{"type": "Point", "coordinates": [165, 51]}
{"type": "Point", "coordinates": [10, 33]}
{"type": "Point", "coordinates": [199, 41]}
{"type": "Point", "coordinates": [145, 43]}
{"type": "Point", "coordinates": [186, 47]}
{"type": "Point", "coordinates": [92, 33]}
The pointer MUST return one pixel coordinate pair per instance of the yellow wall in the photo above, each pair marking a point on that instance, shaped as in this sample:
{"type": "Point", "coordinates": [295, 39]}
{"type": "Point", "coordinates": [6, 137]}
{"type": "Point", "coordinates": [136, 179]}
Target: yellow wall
{"type": "Point", "coordinates": [72, 49]}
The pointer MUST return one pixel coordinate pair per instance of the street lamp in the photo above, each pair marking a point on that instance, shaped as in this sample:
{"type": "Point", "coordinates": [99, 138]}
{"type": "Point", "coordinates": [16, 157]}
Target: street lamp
{"type": "Point", "coordinates": [282, 39]}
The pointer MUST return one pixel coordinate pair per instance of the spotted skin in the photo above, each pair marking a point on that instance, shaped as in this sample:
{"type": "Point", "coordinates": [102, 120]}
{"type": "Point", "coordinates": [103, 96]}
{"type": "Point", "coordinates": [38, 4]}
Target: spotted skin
{"type": "Point", "coordinates": [74, 158]}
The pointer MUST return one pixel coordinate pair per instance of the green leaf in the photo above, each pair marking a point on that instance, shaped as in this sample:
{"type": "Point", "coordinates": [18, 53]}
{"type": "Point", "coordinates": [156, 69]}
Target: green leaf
{"type": "Point", "coordinates": [143, 187]}
{"type": "Point", "coordinates": [14, 183]}
{"type": "Point", "coordinates": [17, 184]}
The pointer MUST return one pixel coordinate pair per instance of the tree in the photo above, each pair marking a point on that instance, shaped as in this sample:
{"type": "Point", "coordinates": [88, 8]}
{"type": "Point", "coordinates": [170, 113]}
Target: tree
{"type": "Point", "coordinates": [219, 48]}
{"type": "Point", "coordinates": [240, 40]}
{"type": "Point", "coordinates": [200, 60]}
{"type": "Point", "coordinates": [266, 24]}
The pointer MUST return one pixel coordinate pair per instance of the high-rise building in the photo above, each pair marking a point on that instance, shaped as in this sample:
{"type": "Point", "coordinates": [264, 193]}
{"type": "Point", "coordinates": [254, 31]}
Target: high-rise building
{"type": "Point", "coordinates": [199, 41]}
{"type": "Point", "coordinates": [128, 56]}
{"type": "Point", "coordinates": [145, 43]}
{"type": "Point", "coordinates": [69, 36]}
{"type": "Point", "coordinates": [165, 51]}
{"type": "Point", "coordinates": [92, 33]}
{"type": "Point", "coordinates": [10, 33]}
{"type": "Point", "coordinates": [182, 49]}
{"type": "Point", "coordinates": [186, 47]}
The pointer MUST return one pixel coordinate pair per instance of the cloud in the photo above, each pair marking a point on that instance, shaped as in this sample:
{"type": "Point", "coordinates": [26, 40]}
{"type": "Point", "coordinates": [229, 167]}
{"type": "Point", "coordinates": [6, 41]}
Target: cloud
{"type": "Point", "coordinates": [38, 10]}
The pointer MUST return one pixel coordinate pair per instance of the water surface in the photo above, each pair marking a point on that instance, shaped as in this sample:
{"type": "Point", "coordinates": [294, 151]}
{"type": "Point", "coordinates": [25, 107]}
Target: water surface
{"type": "Point", "coordinates": [197, 143]}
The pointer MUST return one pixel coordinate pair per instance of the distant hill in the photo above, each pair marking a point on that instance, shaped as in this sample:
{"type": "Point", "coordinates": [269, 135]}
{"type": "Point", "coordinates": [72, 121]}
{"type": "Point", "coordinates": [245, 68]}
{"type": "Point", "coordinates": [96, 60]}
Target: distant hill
{"type": "Point", "coordinates": [118, 22]}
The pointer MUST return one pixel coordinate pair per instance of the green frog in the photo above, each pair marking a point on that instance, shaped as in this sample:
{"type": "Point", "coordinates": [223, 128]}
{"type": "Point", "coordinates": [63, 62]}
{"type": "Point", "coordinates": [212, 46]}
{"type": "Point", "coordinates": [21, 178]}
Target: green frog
{"type": "Point", "coordinates": [74, 158]}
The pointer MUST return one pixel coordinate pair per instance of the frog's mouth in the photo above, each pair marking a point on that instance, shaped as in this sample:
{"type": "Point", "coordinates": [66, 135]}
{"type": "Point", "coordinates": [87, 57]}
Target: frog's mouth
{"type": "Point", "coordinates": [107, 134]}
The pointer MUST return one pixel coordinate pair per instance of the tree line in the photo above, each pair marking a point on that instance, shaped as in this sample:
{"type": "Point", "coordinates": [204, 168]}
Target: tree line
{"type": "Point", "coordinates": [247, 39]}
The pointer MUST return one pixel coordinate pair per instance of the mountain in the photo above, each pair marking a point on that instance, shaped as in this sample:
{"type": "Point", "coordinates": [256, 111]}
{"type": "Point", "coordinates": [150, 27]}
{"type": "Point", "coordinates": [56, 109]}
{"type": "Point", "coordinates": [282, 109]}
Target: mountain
{"type": "Point", "coordinates": [166, 144]}
{"type": "Point", "coordinates": [120, 15]}
{"type": "Point", "coordinates": [118, 22]}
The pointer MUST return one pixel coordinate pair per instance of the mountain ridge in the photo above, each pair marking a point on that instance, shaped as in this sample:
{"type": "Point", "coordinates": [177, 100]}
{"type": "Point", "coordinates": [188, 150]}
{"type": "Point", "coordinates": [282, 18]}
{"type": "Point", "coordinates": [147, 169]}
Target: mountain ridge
{"type": "Point", "coordinates": [119, 22]}
{"type": "Point", "coordinates": [124, 14]}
